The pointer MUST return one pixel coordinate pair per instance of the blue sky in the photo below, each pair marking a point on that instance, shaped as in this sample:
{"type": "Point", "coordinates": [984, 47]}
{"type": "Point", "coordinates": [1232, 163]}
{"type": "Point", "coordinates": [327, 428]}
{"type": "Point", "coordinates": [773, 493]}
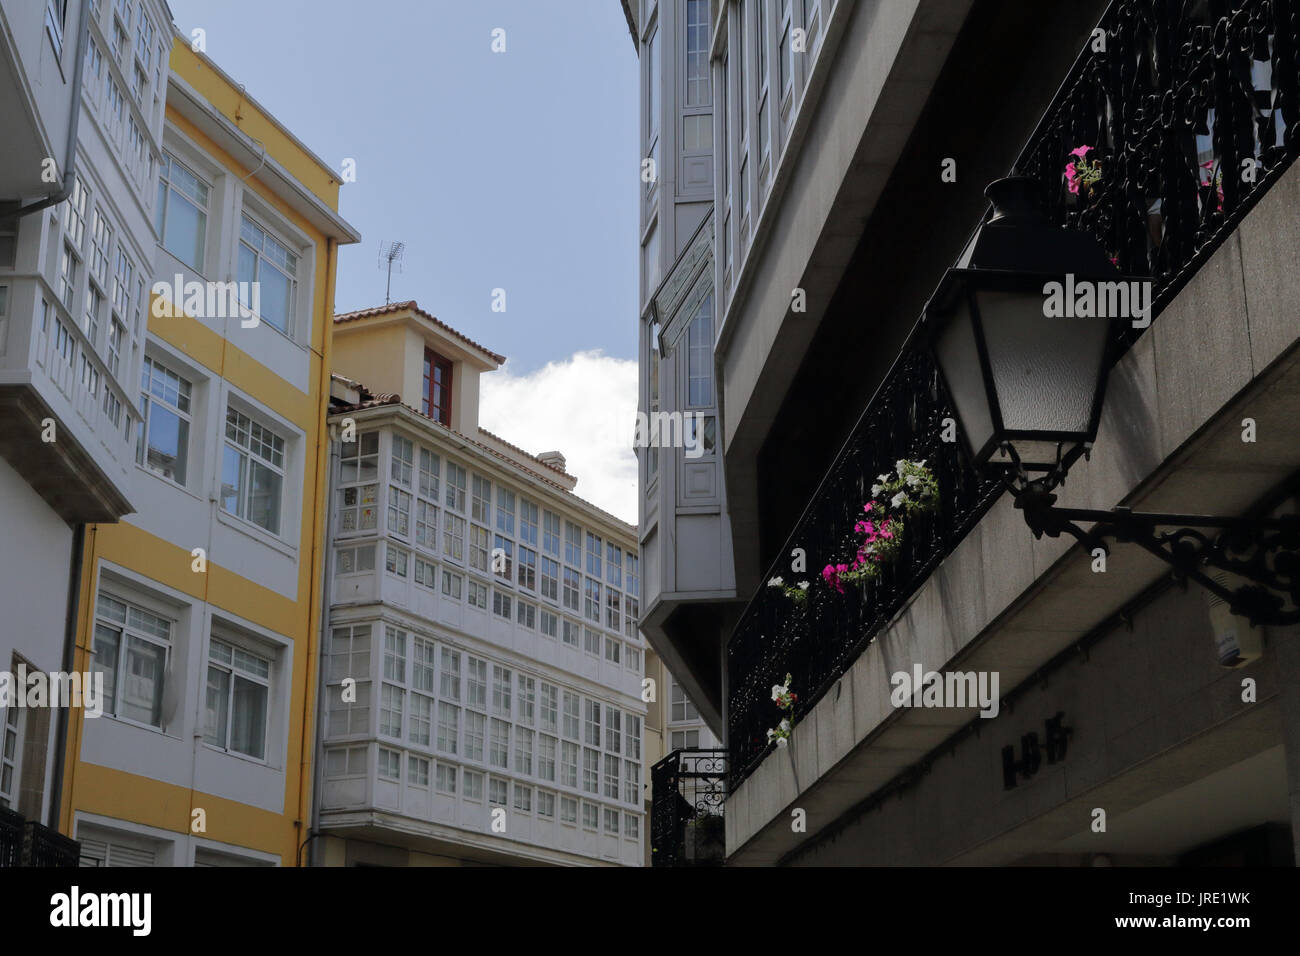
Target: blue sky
{"type": "Point", "coordinates": [514, 170]}
{"type": "Point", "coordinates": [510, 170]}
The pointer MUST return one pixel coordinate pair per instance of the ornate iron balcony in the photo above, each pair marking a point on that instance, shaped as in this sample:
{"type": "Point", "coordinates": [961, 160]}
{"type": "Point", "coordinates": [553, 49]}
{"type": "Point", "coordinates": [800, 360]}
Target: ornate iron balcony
{"type": "Point", "coordinates": [1189, 109]}
{"type": "Point", "coordinates": [687, 791]}
{"type": "Point", "coordinates": [11, 837]}
{"type": "Point", "coordinates": [26, 842]}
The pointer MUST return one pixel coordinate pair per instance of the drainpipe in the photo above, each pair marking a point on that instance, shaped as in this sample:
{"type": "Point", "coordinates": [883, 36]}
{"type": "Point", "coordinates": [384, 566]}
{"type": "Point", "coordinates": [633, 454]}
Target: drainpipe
{"type": "Point", "coordinates": [70, 163]}
{"type": "Point", "coordinates": [69, 661]}
{"type": "Point", "coordinates": [313, 854]}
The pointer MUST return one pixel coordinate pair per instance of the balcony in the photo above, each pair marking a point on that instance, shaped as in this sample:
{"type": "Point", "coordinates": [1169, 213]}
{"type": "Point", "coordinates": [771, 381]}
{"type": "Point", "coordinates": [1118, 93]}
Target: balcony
{"type": "Point", "coordinates": [1189, 110]}
{"type": "Point", "coordinates": [29, 843]}
{"type": "Point", "coordinates": [687, 791]}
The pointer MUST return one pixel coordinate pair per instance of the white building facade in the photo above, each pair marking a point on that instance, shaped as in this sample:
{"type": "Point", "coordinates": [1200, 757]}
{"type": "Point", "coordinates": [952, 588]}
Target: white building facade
{"type": "Point", "coordinates": [482, 679]}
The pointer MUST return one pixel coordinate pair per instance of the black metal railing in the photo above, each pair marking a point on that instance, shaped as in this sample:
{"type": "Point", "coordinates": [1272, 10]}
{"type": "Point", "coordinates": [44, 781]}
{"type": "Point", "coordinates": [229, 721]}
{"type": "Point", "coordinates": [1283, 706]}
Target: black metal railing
{"type": "Point", "coordinates": [45, 847]}
{"type": "Point", "coordinates": [1191, 106]}
{"type": "Point", "coordinates": [11, 837]}
{"type": "Point", "coordinates": [688, 788]}
{"type": "Point", "coordinates": [26, 842]}
{"type": "Point", "coordinates": [1179, 100]}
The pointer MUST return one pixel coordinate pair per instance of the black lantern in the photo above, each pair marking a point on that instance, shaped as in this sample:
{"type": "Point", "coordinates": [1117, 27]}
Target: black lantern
{"type": "Point", "coordinates": [1022, 328]}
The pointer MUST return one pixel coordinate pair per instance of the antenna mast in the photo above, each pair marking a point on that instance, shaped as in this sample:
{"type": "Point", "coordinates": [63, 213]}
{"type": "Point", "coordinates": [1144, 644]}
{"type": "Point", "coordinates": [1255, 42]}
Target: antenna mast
{"type": "Point", "coordinates": [390, 253]}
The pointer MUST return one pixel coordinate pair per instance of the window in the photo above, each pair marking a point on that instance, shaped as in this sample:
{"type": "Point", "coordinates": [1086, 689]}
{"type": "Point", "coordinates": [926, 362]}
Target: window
{"type": "Point", "coordinates": [354, 560]}
{"type": "Point", "coordinates": [569, 764]}
{"type": "Point", "coordinates": [697, 53]}
{"type": "Point", "coordinates": [101, 243]}
{"type": "Point", "coordinates": [527, 522]}
{"type": "Point", "coordinates": [572, 581]}
{"type": "Point", "coordinates": [349, 658]}
{"type": "Point", "coordinates": [551, 533]}
{"type": "Point", "coordinates": [527, 568]}
{"type": "Point", "coordinates": [631, 613]}
{"type": "Point", "coordinates": [568, 810]}
{"type": "Point", "coordinates": [478, 548]}
{"type": "Point", "coordinates": [613, 729]}
{"type": "Point", "coordinates": [436, 398]}
{"type": "Point", "coordinates": [476, 684]}
{"type": "Point", "coordinates": [417, 771]}
{"type": "Point", "coordinates": [591, 723]}
{"type": "Point", "coordinates": [549, 699]}
{"type": "Point", "coordinates": [11, 751]}
{"type": "Point", "coordinates": [430, 467]}
{"type": "Point", "coordinates": [591, 604]}
{"type": "Point", "coordinates": [164, 438]}
{"type": "Point", "coordinates": [426, 525]}
{"type": "Point", "coordinates": [271, 264]}
{"type": "Point", "coordinates": [403, 460]}
{"type": "Point", "coordinates": [505, 511]}
{"type": "Point", "coordinates": [546, 747]}
{"type": "Point", "coordinates": [503, 565]}
{"type": "Point", "coordinates": [684, 739]}
{"type": "Point", "coordinates": [570, 632]}
{"type": "Point", "coordinates": [446, 781]}
{"type": "Point", "coordinates": [390, 764]}
{"type": "Point", "coordinates": [632, 658]}
{"type": "Point", "coordinates": [359, 471]}
{"type": "Point", "coordinates": [448, 727]}
{"type": "Point", "coordinates": [426, 574]}
{"type": "Point", "coordinates": [56, 18]}
{"type": "Point", "coordinates": [473, 785]}
{"type": "Point", "coordinates": [499, 744]}
{"type": "Point", "coordinates": [613, 610]}
{"type": "Point", "coordinates": [591, 642]}
{"type": "Point", "coordinates": [652, 100]}
{"type": "Point", "coordinates": [77, 207]}
{"type": "Point", "coordinates": [116, 339]}
{"type": "Point", "coordinates": [593, 555]}
{"type": "Point", "coordinates": [392, 700]}
{"type": "Point", "coordinates": [399, 511]}
{"type": "Point", "coordinates": [252, 471]}
{"type": "Point", "coordinates": [631, 781]}
{"type": "Point", "coordinates": [631, 827]}
{"type": "Point", "coordinates": [590, 770]}
{"type": "Point", "coordinates": [590, 815]}
{"type": "Point", "coordinates": [68, 277]}
{"type": "Point", "coordinates": [572, 545]}
{"type": "Point", "coordinates": [523, 798]}
{"type": "Point", "coordinates": [683, 709]}
{"type": "Point", "coordinates": [181, 215]}
{"type": "Point", "coordinates": [612, 765]}
{"type": "Point", "coordinates": [345, 762]}
{"type": "Point", "coordinates": [527, 700]}
{"type": "Point", "coordinates": [501, 690]}
{"type": "Point", "coordinates": [455, 487]}
{"type": "Point", "coordinates": [94, 308]}
{"type": "Point", "coordinates": [613, 650]}
{"type": "Point", "coordinates": [545, 804]}
{"type": "Point", "coordinates": [699, 351]}
{"type": "Point", "coordinates": [500, 603]}
{"type": "Point", "coordinates": [480, 499]}
{"type": "Point", "coordinates": [421, 732]}
{"type": "Point", "coordinates": [523, 751]}
{"type": "Point", "coordinates": [131, 648]}
{"type": "Point", "coordinates": [453, 537]}
{"type": "Point", "coordinates": [475, 733]}
{"type": "Point", "coordinates": [452, 584]}
{"type": "Point", "coordinates": [497, 792]}
{"type": "Point", "coordinates": [238, 692]}
{"type": "Point", "coordinates": [422, 658]}
{"type": "Point", "coordinates": [652, 400]}
{"type": "Point", "coordinates": [549, 624]}
{"type": "Point", "coordinates": [570, 715]}
{"type": "Point", "coordinates": [550, 580]}
{"type": "Point", "coordinates": [449, 686]}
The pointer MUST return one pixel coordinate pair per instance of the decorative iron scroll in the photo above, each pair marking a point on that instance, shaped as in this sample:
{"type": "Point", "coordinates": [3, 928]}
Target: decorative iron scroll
{"type": "Point", "coordinates": [688, 788]}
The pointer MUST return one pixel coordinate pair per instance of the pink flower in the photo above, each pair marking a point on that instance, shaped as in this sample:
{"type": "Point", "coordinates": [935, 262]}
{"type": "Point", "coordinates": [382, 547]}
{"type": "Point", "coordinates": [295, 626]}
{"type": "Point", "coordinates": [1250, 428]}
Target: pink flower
{"type": "Point", "coordinates": [868, 506]}
{"type": "Point", "coordinates": [1081, 151]}
{"type": "Point", "coordinates": [1114, 260]}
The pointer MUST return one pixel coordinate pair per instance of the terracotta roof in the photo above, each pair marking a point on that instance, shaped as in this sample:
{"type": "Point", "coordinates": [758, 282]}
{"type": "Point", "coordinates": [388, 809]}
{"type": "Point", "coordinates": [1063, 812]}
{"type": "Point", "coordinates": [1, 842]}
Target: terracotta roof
{"type": "Point", "coordinates": [414, 307]}
{"type": "Point", "coordinates": [370, 400]}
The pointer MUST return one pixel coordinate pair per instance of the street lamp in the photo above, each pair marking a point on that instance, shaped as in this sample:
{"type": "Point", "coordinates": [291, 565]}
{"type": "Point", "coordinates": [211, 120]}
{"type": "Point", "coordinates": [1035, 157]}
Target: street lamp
{"type": "Point", "coordinates": [1023, 329]}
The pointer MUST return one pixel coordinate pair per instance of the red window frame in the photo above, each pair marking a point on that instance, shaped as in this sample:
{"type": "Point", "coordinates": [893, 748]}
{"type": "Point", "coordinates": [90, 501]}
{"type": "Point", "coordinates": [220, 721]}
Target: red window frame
{"type": "Point", "coordinates": [436, 398]}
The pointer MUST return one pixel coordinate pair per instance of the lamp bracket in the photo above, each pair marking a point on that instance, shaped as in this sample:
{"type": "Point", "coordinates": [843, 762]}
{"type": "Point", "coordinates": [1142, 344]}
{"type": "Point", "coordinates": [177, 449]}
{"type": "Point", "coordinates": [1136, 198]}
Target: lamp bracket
{"type": "Point", "coordinates": [1263, 551]}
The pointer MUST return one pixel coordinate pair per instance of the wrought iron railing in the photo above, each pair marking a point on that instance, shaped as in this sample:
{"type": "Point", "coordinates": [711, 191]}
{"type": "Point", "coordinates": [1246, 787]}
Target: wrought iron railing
{"type": "Point", "coordinates": [11, 837]}
{"type": "Point", "coordinates": [687, 789]}
{"type": "Point", "coordinates": [1179, 100]}
{"type": "Point", "coordinates": [45, 847]}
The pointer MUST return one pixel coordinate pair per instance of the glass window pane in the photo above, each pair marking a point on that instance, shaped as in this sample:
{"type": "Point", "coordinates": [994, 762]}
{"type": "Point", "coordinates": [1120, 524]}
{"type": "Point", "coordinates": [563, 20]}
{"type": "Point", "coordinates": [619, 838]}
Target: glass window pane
{"type": "Point", "coordinates": [142, 684]}
{"type": "Point", "coordinates": [218, 706]}
{"type": "Point", "coordinates": [248, 727]}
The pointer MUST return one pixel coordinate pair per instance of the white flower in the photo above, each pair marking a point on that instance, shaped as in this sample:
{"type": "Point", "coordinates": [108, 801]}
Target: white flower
{"type": "Point", "coordinates": [913, 481]}
{"type": "Point", "coordinates": [898, 499]}
{"type": "Point", "coordinates": [779, 691]}
{"type": "Point", "coordinates": [900, 465]}
{"type": "Point", "coordinates": [803, 585]}
{"type": "Point", "coordinates": [875, 490]}
{"type": "Point", "coordinates": [776, 582]}
{"type": "Point", "coordinates": [883, 478]}
{"type": "Point", "coordinates": [921, 463]}
{"type": "Point", "coordinates": [785, 724]}
{"type": "Point", "coordinates": [782, 742]}
{"type": "Point", "coordinates": [770, 735]}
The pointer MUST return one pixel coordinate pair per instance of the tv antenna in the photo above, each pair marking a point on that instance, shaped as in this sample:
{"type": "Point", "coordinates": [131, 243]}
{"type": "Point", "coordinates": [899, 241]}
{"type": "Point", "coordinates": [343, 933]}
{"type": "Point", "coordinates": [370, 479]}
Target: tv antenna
{"type": "Point", "coordinates": [390, 253]}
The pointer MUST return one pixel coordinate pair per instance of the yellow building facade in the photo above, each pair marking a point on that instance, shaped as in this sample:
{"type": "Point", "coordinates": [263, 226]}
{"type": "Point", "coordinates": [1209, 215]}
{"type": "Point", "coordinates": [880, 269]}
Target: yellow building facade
{"type": "Point", "coordinates": [202, 610]}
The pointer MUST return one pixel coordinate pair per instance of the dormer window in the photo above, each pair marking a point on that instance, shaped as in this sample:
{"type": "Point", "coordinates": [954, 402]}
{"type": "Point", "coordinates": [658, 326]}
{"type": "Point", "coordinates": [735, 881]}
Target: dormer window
{"type": "Point", "coordinates": [436, 398]}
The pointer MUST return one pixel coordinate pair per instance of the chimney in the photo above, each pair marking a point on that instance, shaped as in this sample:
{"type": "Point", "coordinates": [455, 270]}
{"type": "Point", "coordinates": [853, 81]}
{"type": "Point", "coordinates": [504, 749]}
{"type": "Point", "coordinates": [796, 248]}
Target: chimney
{"type": "Point", "coordinates": [552, 458]}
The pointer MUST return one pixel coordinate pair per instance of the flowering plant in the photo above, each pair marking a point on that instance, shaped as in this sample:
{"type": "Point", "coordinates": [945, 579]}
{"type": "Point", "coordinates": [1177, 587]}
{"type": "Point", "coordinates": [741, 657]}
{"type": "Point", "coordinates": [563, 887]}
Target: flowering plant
{"type": "Point", "coordinates": [1217, 179]}
{"type": "Point", "coordinates": [796, 592]}
{"type": "Point", "coordinates": [784, 698]}
{"type": "Point", "coordinates": [908, 490]}
{"type": "Point", "coordinates": [1082, 171]}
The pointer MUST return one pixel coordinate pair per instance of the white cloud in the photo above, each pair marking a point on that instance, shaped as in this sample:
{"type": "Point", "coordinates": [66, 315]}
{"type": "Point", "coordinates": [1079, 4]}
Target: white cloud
{"type": "Point", "coordinates": [585, 408]}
